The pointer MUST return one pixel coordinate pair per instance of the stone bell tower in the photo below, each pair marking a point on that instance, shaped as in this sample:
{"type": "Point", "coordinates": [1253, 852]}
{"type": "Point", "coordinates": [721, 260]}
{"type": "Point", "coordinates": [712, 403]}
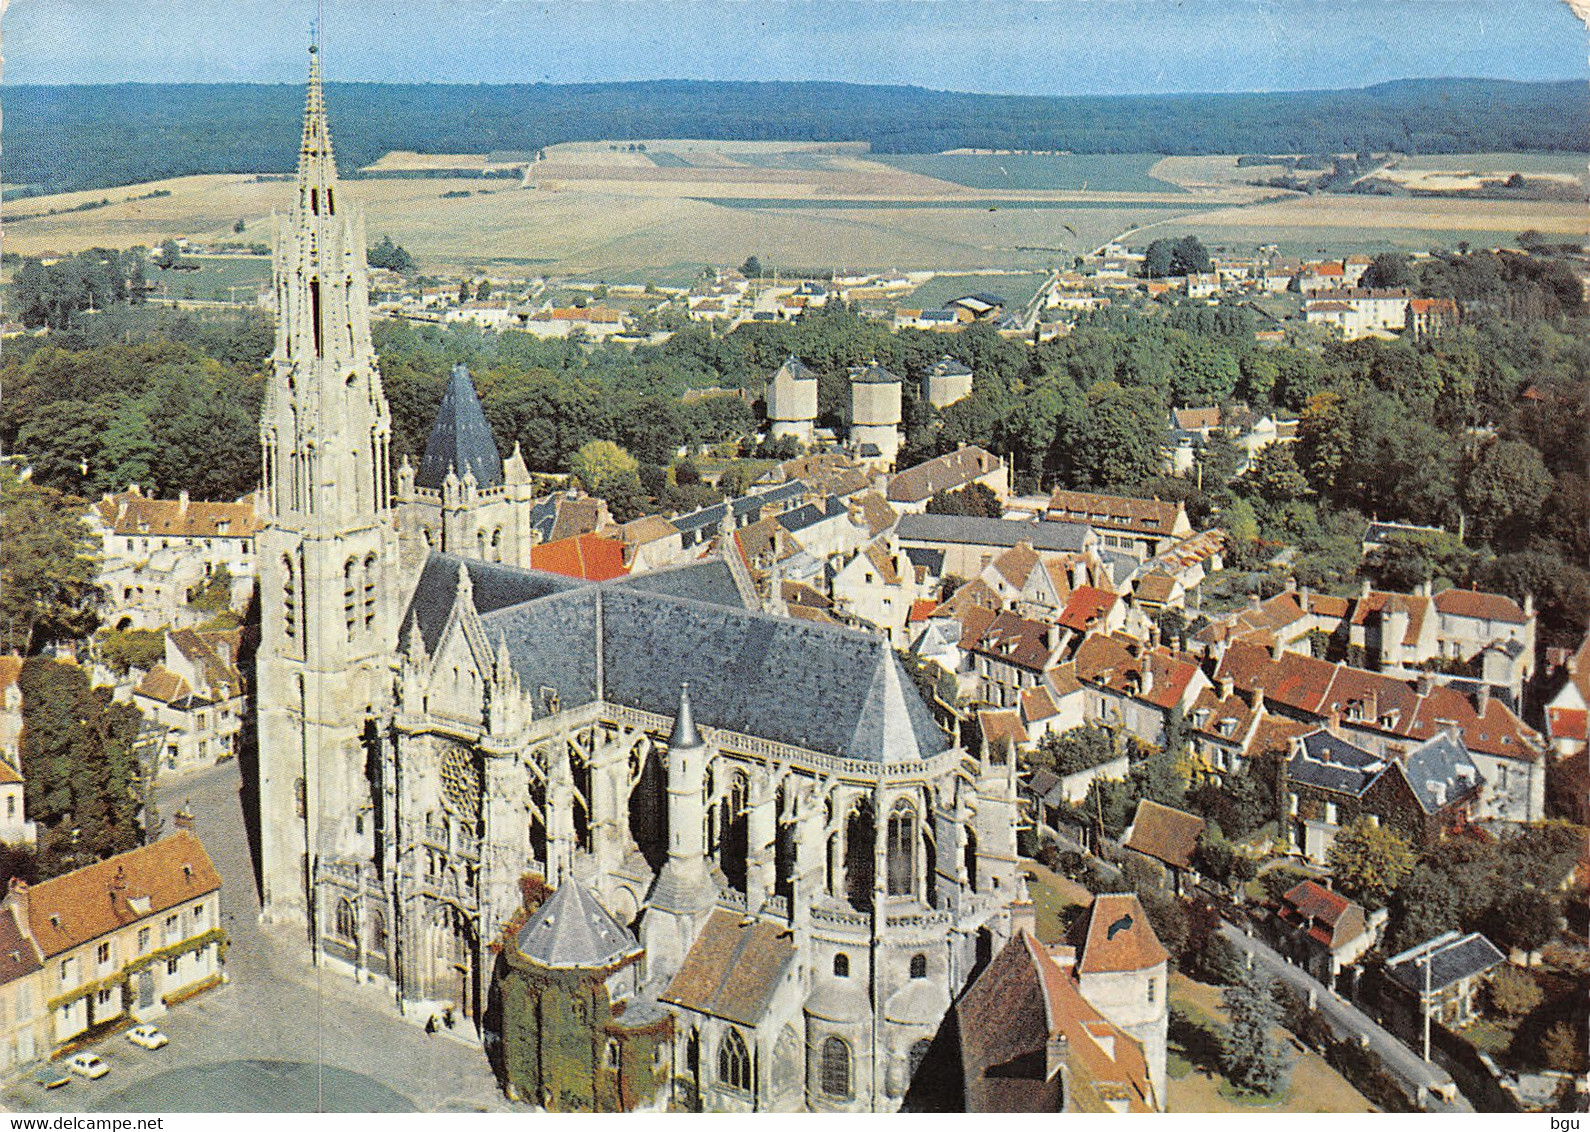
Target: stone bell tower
{"type": "Point", "coordinates": [327, 555]}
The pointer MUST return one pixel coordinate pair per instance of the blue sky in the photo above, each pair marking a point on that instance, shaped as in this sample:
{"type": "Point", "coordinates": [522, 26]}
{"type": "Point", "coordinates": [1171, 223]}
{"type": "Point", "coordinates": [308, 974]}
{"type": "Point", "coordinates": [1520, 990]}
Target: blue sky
{"type": "Point", "coordinates": [993, 46]}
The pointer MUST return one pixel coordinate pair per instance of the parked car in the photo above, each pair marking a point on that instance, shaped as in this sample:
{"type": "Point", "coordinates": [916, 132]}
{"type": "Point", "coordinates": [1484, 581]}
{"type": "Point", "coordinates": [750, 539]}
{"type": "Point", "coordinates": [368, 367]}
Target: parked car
{"type": "Point", "coordinates": [52, 1075]}
{"type": "Point", "coordinates": [87, 1065]}
{"type": "Point", "coordinates": [149, 1037]}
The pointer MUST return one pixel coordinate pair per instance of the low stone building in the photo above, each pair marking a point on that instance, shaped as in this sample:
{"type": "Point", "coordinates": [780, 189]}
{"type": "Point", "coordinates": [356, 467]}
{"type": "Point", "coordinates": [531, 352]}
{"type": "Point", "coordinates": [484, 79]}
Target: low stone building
{"type": "Point", "coordinates": [1439, 979]}
{"type": "Point", "coordinates": [130, 935]}
{"type": "Point", "coordinates": [575, 1035]}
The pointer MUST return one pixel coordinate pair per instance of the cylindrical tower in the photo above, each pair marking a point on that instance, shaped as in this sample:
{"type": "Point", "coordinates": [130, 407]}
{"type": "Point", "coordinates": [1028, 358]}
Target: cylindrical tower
{"type": "Point", "coordinates": [792, 401]}
{"type": "Point", "coordinates": [875, 413]}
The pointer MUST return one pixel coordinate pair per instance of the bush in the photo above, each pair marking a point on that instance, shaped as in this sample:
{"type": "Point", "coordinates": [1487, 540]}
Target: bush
{"type": "Point", "coordinates": [1513, 993]}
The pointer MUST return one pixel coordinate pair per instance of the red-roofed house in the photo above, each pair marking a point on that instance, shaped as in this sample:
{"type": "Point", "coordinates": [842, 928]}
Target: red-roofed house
{"type": "Point", "coordinates": [1567, 712]}
{"type": "Point", "coordinates": [1092, 610]}
{"type": "Point", "coordinates": [1320, 930]}
{"type": "Point", "coordinates": [1134, 687]}
{"type": "Point", "coordinates": [126, 935]}
{"type": "Point", "coordinates": [592, 558]}
{"type": "Point", "coordinates": [1168, 835]}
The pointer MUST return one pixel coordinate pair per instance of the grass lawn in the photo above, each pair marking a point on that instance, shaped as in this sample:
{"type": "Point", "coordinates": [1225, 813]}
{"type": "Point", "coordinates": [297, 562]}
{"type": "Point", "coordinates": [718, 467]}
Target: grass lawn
{"type": "Point", "coordinates": [1196, 1084]}
{"type": "Point", "coordinates": [221, 277]}
{"type": "Point", "coordinates": [1055, 899]}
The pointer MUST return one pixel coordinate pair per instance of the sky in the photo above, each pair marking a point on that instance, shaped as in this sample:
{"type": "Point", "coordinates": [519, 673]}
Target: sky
{"type": "Point", "coordinates": [986, 46]}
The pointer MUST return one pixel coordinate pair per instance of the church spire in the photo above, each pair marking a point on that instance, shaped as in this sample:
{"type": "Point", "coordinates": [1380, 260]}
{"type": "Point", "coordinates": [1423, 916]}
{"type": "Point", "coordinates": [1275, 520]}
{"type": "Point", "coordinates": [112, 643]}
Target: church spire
{"type": "Point", "coordinates": [317, 166]}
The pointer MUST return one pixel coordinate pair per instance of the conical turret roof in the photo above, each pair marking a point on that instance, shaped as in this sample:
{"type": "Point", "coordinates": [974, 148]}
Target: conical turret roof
{"type": "Point", "coordinates": [460, 440]}
{"type": "Point", "coordinates": [572, 929]}
{"type": "Point", "coordinates": [684, 733]}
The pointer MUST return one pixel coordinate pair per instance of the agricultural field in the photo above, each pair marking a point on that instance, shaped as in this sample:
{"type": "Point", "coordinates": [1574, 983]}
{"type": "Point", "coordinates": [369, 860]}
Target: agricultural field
{"type": "Point", "coordinates": [1504, 164]}
{"type": "Point", "coordinates": [230, 278]}
{"type": "Point", "coordinates": [604, 210]}
{"type": "Point", "coordinates": [1126, 173]}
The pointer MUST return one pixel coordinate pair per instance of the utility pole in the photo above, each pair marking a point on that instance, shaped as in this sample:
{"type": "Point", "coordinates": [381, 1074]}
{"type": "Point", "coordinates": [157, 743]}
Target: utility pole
{"type": "Point", "coordinates": [1426, 1004]}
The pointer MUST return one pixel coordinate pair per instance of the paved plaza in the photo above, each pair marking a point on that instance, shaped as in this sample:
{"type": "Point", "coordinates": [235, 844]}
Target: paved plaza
{"type": "Point", "coordinates": [282, 1035]}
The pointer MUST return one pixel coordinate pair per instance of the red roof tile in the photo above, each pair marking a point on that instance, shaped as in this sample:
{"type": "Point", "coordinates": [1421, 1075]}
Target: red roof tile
{"type": "Point", "coordinates": [1166, 834]}
{"type": "Point", "coordinates": [1086, 608]}
{"type": "Point", "coordinates": [1482, 606]}
{"type": "Point", "coordinates": [593, 558]}
{"type": "Point", "coordinates": [1115, 936]}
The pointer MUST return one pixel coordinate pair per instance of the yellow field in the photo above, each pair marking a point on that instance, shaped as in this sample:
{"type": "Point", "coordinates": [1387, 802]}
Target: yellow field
{"type": "Point", "coordinates": [594, 209]}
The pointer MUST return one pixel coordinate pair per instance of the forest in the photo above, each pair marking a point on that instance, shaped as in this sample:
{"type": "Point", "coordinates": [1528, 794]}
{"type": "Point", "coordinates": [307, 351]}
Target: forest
{"type": "Point", "coordinates": [146, 131]}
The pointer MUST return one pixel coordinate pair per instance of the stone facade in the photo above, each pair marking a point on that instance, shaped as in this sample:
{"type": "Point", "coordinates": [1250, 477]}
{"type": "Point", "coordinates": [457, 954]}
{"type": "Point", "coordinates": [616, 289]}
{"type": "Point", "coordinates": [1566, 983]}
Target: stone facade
{"type": "Point", "coordinates": [435, 728]}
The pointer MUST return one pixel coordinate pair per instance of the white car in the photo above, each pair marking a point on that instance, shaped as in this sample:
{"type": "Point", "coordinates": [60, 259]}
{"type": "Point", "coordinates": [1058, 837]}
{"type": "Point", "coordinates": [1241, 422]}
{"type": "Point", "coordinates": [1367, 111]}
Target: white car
{"type": "Point", "coordinates": [87, 1065]}
{"type": "Point", "coordinates": [149, 1037]}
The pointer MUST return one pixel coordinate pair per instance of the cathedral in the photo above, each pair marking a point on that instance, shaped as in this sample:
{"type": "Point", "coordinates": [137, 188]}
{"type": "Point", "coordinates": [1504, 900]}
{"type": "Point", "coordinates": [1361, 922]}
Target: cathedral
{"type": "Point", "coordinates": [475, 778]}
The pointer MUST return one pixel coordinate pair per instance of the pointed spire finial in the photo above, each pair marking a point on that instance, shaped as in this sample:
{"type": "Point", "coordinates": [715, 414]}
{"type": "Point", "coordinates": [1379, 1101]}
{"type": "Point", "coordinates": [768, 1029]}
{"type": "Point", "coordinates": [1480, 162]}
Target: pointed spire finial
{"type": "Point", "coordinates": [684, 734]}
{"type": "Point", "coordinates": [466, 589]}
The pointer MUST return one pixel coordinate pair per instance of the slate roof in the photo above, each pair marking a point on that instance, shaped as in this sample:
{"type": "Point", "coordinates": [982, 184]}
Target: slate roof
{"type": "Point", "coordinates": [949, 367]}
{"type": "Point", "coordinates": [460, 440]}
{"type": "Point", "coordinates": [572, 929]}
{"type": "Point", "coordinates": [872, 374]}
{"type": "Point", "coordinates": [973, 530]}
{"type": "Point", "coordinates": [929, 558]}
{"type": "Point", "coordinates": [1324, 761]}
{"type": "Point", "coordinates": [1166, 834]}
{"type": "Point", "coordinates": [733, 968]}
{"type": "Point", "coordinates": [1440, 772]}
{"type": "Point", "coordinates": [1450, 958]}
{"type": "Point", "coordinates": [810, 685]}
{"type": "Point", "coordinates": [810, 514]}
{"type": "Point", "coordinates": [746, 509]}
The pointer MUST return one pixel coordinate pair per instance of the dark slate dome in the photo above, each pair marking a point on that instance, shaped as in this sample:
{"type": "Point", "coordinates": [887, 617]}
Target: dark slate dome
{"type": "Point", "coordinates": [460, 440]}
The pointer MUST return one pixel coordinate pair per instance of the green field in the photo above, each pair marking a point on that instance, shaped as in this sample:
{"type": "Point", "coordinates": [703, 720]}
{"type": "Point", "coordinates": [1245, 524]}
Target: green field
{"type": "Point", "coordinates": [1108, 172]}
{"type": "Point", "coordinates": [1571, 164]}
{"type": "Point", "coordinates": [237, 277]}
{"type": "Point", "coordinates": [1016, 289]}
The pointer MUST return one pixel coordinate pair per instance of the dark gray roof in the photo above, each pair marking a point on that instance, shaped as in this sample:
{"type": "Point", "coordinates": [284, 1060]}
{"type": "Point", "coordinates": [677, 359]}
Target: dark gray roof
{"type": "Point", "coordinates": [929, 558]}
{"type": "Point", "coordinates": [872, 374]}
{"type": "Point", "coordinates": [1440, 771]}
{"type": "Point", "coordinates": [1330, 763]}
{"type": "Point", "coordinates": [811, 514]}
{"type": "Point", "coordinates": [544, 516]}
{"type": "Point", "coordinates": [684, 733]}
{"type": "Point", "coordinates": [747, 510]}
{"type": "Point", "coordinates": [949, 367]}
{"type": "Point", "coordinates": [1450, 958]}
{"type": "Point", "coordinates": [572, 929]}
{"type": "Point", "coordinates": [461, 440]}
{"type": "Point", "coordinates": [976, 531]}
{"type": "Point", "coordinates": [632, 641]}
{"type": "Point", "coordinates": [794, 369]}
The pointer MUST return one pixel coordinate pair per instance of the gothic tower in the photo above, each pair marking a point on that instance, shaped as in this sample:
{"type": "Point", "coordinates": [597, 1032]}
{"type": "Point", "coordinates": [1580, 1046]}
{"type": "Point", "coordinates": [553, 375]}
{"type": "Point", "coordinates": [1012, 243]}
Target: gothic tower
{"type": "Point", "coordinates": [327, 554]}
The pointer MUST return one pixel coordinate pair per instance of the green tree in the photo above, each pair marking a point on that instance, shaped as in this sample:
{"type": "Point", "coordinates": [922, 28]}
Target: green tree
{"type": "Point", "coordinates": [1081, 748]}
{"type": "Point", "coordinates": [1369, 861]}
{"type": "Point", "coordinates": [124, 649]}
{"type": "Point", "coordinates": [1390, 269]}
{"type": "Point", "coordinates": [1562, 1046]}
{"type": "Point", "coordinates": [47, 587]}
{"type": "Point", "coordinates": [973, 499]}
{"type": "Point", "coordinates": [1514, 993]}
{"type": "Point", "coordinates": [1250, 1057]}
{"type": "Point", "coordinates": [1275, 477]}
{"type": "Point", "coordinates": [85, 783]}
{"type": "Point", "coordinates": [751, 268]}
{"type": "Point", "coordinates": [600, 463]}
{"type": "Point", "coordinates": [1507, 482]}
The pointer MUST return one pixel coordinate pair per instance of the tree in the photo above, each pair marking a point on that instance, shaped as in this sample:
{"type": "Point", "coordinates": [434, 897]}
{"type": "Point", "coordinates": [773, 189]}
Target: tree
{"type": "Point", "coordinates": [751, 268]}
{"type": "Point", "coordinates": [47, 587]}
{"type": "Point", "coordinates": [1250, 1056]}
{"type": "Point", "coordinates": [463, 291]}
{"type": "Point", "coordinates": [600, 463]}
{"type": "Point", "coordinates": [1274, 475]}
{"type": "Point", "coordinates": [391, 256]}
{"type": "Point", "coordinates": [1514, 993]}
{"type": "Point", "coordinates": [1167, 256]}
{"type": "Point", "coordinates": [1369, 861]}
{"type": "Point", "coordinates": [1081, 748]}
{"type": "Point", "coordinates": [973, 499]}
{"type": "Point", "coordinates": [1527, 919]}
{"type": "Point", "coordinates": [1389, 269]}
{"type": "Point", "coordinates": [483, 292]}
{"type": "Point", "coordinates": [1508, 480]}
{"type": "Point", "coordinates": [1563, 1048]}
{"type": "Point", "coordinates": [170, 254]}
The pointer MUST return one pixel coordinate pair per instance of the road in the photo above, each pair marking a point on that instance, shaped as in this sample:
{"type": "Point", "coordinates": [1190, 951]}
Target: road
{"type": "Point", "coordinates": [1345, 1018]}
{"type": "Point", "coordinates": [282, 1035]}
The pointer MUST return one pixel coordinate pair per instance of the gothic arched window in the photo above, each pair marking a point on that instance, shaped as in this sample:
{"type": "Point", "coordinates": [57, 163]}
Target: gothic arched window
{"type": "Point", "coordinates": [350, 591]}
{"type": "Point", "coordinates": [378, 932]}
{"type": "Point", "coordinates": [289, 599]}
{"type": "Point", "coordinates": [901, 844]}
{"type": "Point", "coordinates": [370, 576]}
{"type": "Point", "coordinates": [842, 966]}
{"type": "Point", "coordinates": [496, 545]}
{"type": "Point", "coordinates": [346, 923]}
{"type": "Point", "coordinates": [834, 1079]}
{"type": "Point", "coordinates": [734, 1061]}
{"type": "Point", "coordinates": [919, 966]}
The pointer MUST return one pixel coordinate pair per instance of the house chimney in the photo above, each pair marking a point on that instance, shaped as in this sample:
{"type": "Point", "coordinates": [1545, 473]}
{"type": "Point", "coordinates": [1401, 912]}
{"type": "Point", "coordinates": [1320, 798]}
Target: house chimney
{"type": "Point", "coordinates": [1529, 606]}
{"type": "Point", "coordinates": [1023, 913]}
{"type": "Point", "coordinates": [1333, 722]}
{"type": "Point", "coordinates": [1253, 601]}
{"type": "Point", "coordinates": [183, 818]}
{"type": "Point", "coordinates": [1052, 635]}
{"type": "Point", "coordinates": [1425, 684]}
{"type": "Point", "coordinates": [1372, 707]}
{"type": "Point", "coordinates": [1305, 597]}
{"type": "Point", "coordinates": [1258, 701]}
{"type": "Point", "coordinates": [1227, 686]}
{"type": "Point", "coordinates": [183, 501]}
{"type": "Point", "coordinates": [1363, 592]}
{"type": "Point", "coordinates": [1482, 698]}
{"type": "Point", "coordinates": [1147, 681]}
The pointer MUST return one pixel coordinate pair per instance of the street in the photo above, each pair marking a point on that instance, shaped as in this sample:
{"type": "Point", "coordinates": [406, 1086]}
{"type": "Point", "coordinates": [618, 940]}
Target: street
{"type": "Point", "coordinates": [281, 1035]}
{"type": "Point", "coordinates": [1345, 1018]}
